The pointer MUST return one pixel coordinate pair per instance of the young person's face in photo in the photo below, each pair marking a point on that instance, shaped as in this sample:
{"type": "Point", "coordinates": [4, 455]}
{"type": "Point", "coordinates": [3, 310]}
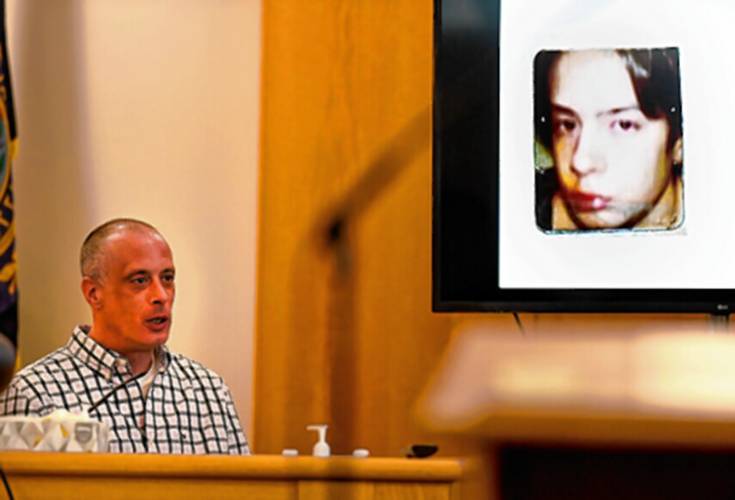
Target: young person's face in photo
{"type": "Point", "coordinates": [612, 160]}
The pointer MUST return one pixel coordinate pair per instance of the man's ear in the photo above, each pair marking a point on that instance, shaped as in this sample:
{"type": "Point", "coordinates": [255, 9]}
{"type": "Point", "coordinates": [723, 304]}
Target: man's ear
{"type": "Point", "coordinates": [677, 155]}
{"type": "Point", "coordinates": [92, 293]}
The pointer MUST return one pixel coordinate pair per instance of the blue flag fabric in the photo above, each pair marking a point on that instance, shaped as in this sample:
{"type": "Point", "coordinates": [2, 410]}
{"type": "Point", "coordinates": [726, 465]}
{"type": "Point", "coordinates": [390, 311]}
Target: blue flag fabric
{"type": "Point", "coordinates": [8, 146]}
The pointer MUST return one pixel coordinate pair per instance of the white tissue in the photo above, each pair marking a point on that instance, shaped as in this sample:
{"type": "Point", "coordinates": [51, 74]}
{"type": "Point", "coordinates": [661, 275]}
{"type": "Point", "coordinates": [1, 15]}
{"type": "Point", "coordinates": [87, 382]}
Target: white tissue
{"type": "Point", "coordinates": [58, 431]}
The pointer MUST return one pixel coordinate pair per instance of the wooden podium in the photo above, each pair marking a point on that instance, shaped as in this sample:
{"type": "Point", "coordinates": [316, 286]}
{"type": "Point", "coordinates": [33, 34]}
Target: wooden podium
{"type": "Point", "coordinates": [41, 475]}
{"type": "Point", "coordinates": [607, 417]}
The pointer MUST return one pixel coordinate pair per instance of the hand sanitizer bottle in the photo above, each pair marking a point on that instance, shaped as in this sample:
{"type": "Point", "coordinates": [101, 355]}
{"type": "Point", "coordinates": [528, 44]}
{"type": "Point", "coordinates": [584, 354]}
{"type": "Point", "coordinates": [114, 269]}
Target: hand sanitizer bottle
{"type": "Point", "coordinates": [321, 448]}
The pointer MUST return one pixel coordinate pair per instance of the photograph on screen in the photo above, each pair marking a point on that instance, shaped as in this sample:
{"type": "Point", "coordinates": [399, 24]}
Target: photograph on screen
{"type": "Point", "coordinates": [608, 140]}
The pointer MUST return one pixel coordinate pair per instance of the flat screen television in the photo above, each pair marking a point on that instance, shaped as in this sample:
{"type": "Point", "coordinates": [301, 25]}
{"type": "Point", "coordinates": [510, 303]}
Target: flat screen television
{"type": "Point", "coordinates": [584, 156]}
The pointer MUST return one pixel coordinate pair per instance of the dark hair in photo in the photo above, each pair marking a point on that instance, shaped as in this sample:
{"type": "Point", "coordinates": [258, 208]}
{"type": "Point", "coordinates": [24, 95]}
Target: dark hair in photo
{"type": "Point", "coordinates": [654, 74]}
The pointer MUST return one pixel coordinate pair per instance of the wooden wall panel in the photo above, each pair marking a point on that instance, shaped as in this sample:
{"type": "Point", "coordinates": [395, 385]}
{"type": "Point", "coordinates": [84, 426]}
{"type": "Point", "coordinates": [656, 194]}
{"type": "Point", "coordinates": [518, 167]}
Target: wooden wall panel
{"type": "Point", "coordinates": [344, 332]}
{"type": "Point", "coordinates": [341, 80]}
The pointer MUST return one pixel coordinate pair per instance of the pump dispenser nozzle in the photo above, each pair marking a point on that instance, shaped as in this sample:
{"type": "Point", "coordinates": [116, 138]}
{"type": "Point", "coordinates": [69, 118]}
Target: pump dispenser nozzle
{"type": "Point", "coordinates": [321, 448]}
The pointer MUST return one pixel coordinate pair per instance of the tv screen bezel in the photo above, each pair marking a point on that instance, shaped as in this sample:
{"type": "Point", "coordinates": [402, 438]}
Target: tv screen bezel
{"type": "Point", "coordinates": [465, 264]}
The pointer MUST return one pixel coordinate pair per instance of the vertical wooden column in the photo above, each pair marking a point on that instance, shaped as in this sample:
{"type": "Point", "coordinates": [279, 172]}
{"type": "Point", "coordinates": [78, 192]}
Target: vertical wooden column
{"type": "Point", "coordinates": [345, 334]}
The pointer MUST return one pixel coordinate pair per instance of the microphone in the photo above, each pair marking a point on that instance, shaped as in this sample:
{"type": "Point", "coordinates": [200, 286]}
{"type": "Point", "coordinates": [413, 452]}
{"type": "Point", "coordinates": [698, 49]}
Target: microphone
{"type": "Point", "coordinates": [112, 391]}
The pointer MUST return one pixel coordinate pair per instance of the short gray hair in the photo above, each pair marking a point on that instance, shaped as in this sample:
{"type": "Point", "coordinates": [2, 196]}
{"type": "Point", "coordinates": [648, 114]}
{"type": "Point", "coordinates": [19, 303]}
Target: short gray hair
{"type": "Point", "coordinates": [90, 257]}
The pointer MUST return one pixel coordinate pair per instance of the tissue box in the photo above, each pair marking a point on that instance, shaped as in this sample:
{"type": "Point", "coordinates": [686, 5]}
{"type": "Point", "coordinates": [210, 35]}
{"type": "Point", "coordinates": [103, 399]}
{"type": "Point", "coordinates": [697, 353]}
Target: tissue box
{"type": "Point", "coordinates": [52, 433]}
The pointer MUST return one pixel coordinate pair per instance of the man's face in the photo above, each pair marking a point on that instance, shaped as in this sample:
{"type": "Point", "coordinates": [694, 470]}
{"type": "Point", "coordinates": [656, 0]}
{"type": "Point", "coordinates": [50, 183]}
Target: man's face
{"type": "Point", "coordinates": [136, 291]}
{"type": "Point", "coordinates": [612, 160]}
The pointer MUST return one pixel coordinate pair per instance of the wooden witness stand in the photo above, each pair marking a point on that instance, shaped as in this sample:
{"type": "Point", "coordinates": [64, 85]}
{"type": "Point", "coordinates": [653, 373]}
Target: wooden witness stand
{"type": "Point", "coordinates": [40, 475]}
{"type": "Point", "coordinates": [640, 416]}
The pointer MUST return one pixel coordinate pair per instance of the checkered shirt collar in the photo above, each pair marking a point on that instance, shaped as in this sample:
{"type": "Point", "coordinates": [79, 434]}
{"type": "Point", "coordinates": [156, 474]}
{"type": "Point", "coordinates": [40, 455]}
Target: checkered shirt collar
{"type": "Point", "coordinates": [101, 359]}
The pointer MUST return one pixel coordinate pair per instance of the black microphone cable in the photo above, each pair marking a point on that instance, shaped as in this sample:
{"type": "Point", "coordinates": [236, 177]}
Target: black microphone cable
{"type": "Point", "coordinates": [7, 484]}
{"type": "Point", "coordinates": [112, 391]}
{"type": "Point", "coordinates": [519, 323]}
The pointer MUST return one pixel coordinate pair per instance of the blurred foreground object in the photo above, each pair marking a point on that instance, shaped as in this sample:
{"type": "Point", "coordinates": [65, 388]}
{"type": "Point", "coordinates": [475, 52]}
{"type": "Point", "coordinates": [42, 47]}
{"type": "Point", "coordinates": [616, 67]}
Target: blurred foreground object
{"type": "Point", "coordinates": [596, 416]}
{"type": "Point", "coordinates": [7, 361]}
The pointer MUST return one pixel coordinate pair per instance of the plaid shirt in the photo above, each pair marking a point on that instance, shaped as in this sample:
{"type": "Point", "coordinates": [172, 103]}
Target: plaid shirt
{"type": "Point", "coordinates": [188, 409]}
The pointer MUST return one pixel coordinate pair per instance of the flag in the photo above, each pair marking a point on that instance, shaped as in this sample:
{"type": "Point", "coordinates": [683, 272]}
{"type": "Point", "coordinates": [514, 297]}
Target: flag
{"type": "Point", "coordinates": [8, 146]}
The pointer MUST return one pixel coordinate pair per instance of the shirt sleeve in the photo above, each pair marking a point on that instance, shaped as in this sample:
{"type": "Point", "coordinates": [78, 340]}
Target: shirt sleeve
{"type": "Point", "coordinates": [20, 399]}
{"type": "Point", "coordinates": [237, 444]}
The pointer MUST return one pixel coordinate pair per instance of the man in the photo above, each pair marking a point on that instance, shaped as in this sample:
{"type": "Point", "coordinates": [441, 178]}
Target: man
{"type": "Point", "coordinates": [119, 369]}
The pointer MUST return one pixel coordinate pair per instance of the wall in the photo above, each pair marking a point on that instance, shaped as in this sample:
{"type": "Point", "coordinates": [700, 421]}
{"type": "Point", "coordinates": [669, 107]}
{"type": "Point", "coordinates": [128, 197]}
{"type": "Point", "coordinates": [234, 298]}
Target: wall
{"type": "Point", "coordinates": [344, 331]}
{"type": "Point", "coordinates": [147, 109]}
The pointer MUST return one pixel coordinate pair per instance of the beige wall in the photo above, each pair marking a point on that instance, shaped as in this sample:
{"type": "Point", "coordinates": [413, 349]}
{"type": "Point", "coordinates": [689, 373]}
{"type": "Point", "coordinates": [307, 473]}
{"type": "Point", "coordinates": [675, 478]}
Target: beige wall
{"type": "Point", "coordinates": [148, 109]}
